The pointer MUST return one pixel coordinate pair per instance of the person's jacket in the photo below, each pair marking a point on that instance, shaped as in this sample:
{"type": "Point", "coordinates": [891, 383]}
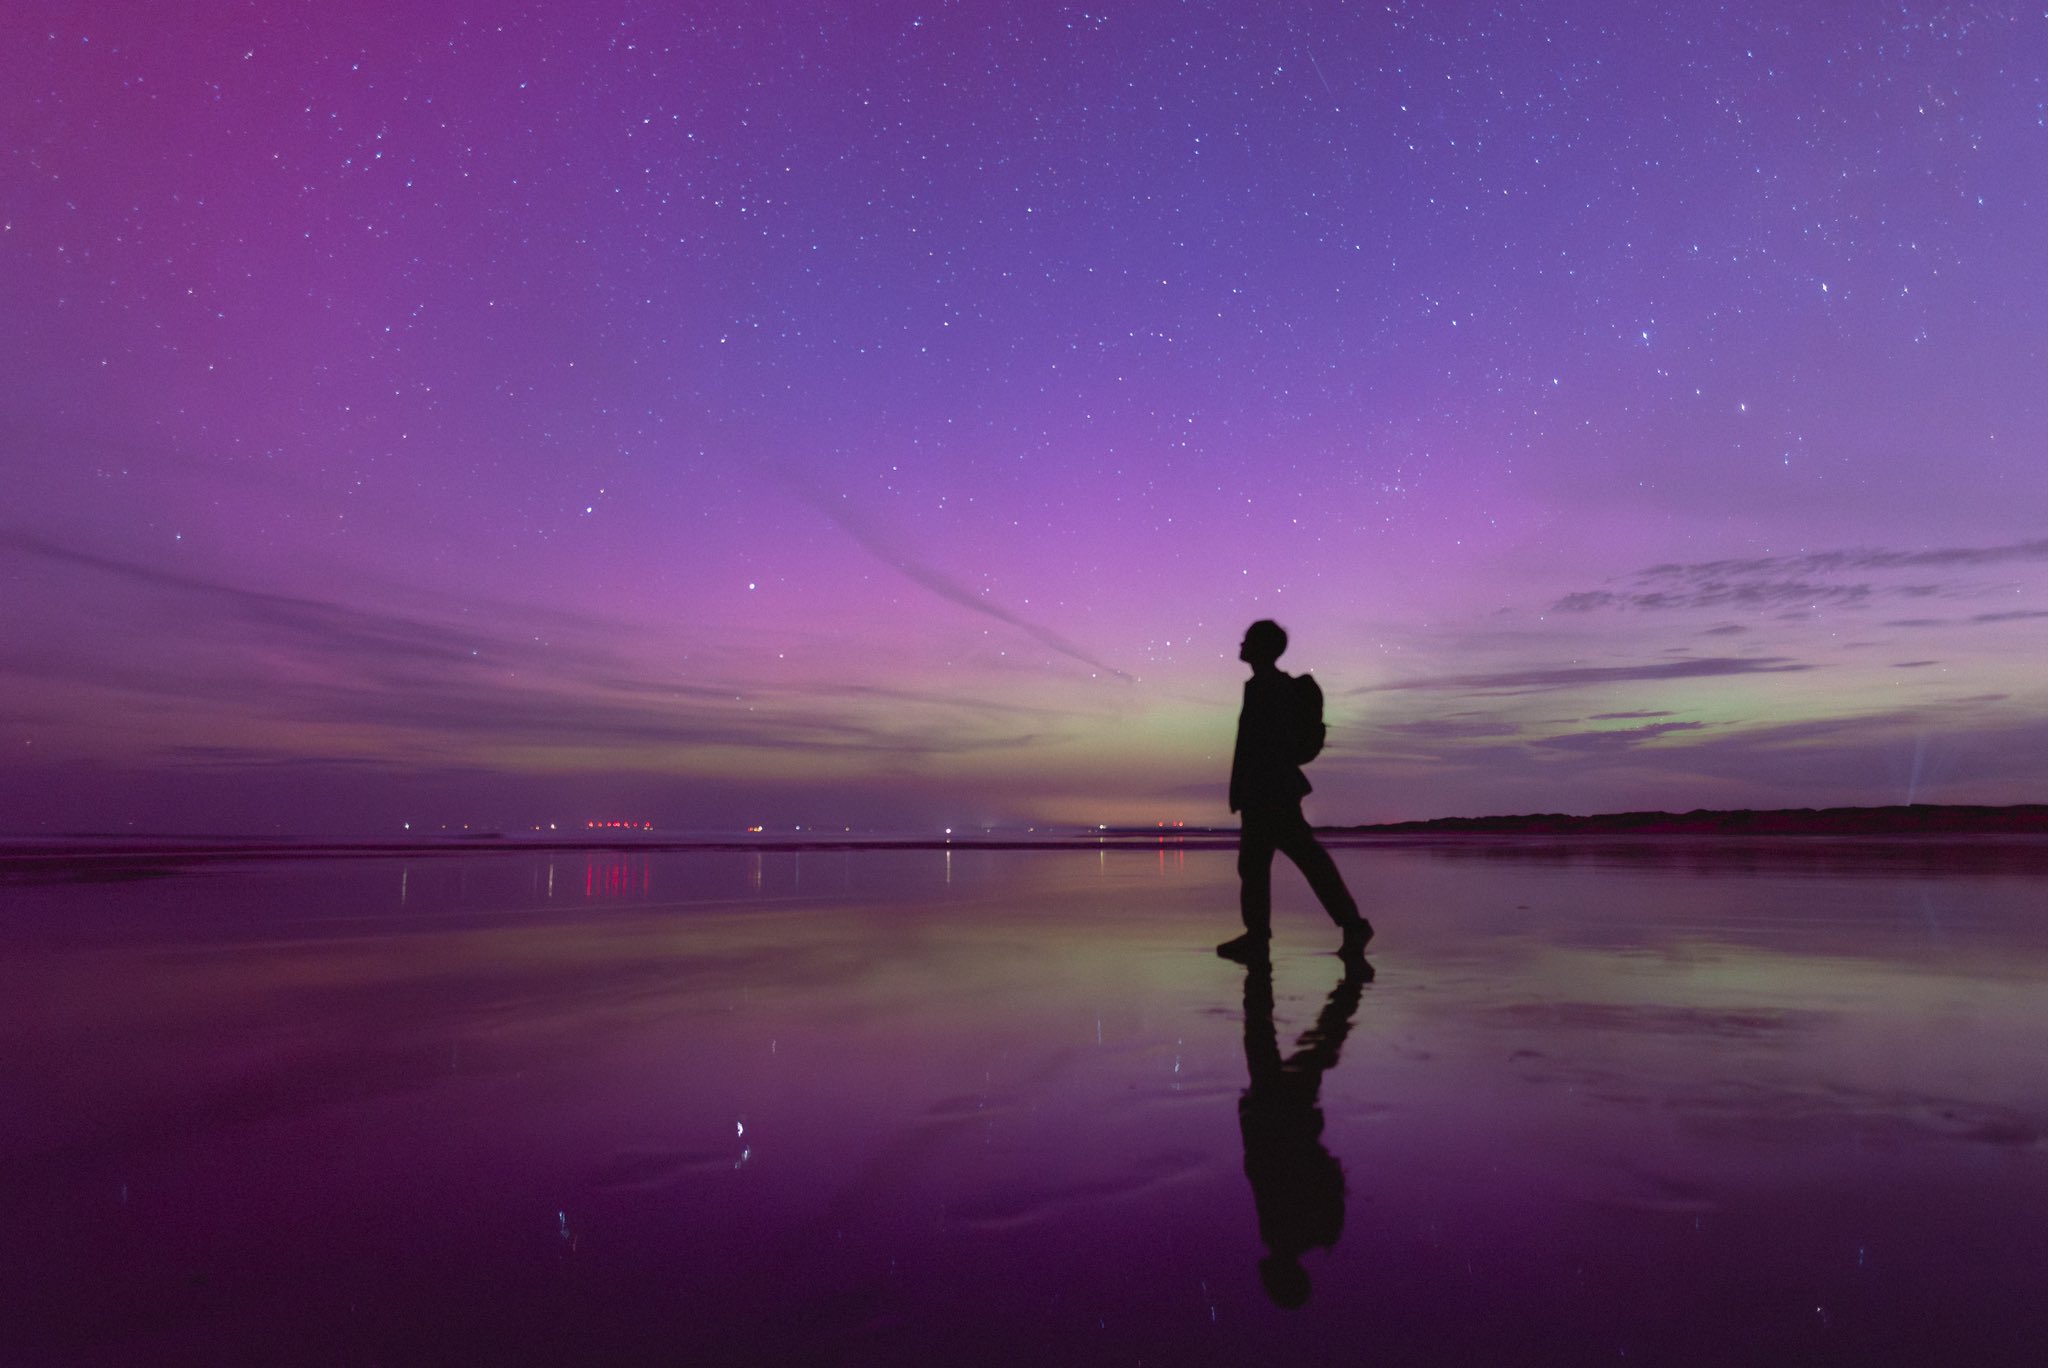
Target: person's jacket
{"type": "Point", "coordinates": [1262, 769]}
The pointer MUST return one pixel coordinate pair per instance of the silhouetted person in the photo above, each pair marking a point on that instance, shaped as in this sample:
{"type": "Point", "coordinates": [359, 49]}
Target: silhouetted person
{"type": "Point", "coordinates": [1266, 787]}
{"type": "Point", "coordinates": [1297, 1184]}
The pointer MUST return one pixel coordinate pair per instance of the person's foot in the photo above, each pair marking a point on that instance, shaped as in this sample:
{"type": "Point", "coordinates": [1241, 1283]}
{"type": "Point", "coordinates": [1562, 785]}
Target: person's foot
{"type": "Point", "coordinates": [1356, 936]}
{"type": "Point", "coordinates": [1246, 949]}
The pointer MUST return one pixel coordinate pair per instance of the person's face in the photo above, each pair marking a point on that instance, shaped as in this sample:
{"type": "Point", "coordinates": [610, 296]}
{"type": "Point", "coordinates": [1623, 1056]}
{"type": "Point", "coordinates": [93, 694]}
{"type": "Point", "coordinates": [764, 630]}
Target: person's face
{"type": "Point", "coordinates": [1244, 649]}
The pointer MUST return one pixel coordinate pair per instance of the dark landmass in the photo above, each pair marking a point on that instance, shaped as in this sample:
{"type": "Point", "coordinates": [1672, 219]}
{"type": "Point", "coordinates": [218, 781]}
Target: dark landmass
{"type": "Point", "coordinates": [1916, 819]}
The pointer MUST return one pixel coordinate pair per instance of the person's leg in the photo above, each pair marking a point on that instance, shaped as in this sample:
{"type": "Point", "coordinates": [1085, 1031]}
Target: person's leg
{"type": "Point", "coordinates": [1255, 845]}
{"type": "Point", "coordinates": [1254, 890]}
{"type": "Point", "coordinates": [1299, 842]}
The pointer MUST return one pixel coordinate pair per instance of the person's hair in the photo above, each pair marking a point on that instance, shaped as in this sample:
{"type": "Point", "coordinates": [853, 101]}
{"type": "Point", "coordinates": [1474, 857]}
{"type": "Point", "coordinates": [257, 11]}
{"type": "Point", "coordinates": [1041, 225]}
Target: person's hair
{"type": "Point", "coordinates": [1268, 637]}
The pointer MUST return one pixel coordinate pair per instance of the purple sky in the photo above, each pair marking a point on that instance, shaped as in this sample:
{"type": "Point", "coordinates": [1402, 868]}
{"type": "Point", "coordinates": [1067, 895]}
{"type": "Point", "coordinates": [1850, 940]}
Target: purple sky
{"type": "Point", "coordinates": [883, 414]}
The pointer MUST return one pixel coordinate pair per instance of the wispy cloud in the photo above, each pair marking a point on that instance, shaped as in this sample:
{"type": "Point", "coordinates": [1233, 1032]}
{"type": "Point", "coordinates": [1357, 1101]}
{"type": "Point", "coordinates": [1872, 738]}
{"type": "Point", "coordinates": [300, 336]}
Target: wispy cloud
{"type": "Point", "coordinates": [1813, 580]}
{"type": "Point", "coordinates": [1963, 749]}
{"type": "Point", "coordinates": [1752, 594]}
{"type": "Point", "coordinates": [368, 638]}
{"type": "Point", "coordinates": [1975, 619]}
{"type": "Point", "coordinates": [1450, 728]}
{"type": "Point", "coordinates": [1618, 738]}
{"type": "Point", "coordinates": [251, 757]}
{"type": "Point", "coordinates": [1834, 562]}
{"type": "Point", "coordinates": [872, 538]}
{"type": "Point", "coordinates": [1580, 676]}
{"type": "Point", "coordinates": [530, 681]}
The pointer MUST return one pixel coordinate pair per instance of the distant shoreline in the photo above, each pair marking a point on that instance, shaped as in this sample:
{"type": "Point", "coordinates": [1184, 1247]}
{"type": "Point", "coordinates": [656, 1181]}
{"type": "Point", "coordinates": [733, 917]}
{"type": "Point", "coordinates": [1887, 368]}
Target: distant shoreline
{"type": "Point", "coordinates": [113, 856]}
{"type": "Point", "coordinates": [1914, 819]}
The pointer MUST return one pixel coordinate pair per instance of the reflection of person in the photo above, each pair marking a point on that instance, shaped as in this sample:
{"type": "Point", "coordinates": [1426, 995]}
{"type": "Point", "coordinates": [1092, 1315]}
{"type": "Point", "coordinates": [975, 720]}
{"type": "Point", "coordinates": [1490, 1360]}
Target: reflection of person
{"type": "Point", "coordinates": [1297, 1185]}
{"type": "Point", "coordinates": [1267, 786]}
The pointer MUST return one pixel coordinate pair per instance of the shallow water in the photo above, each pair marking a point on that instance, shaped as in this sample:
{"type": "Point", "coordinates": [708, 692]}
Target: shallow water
{"type": "Point", "coordinates": [1667, 1102]}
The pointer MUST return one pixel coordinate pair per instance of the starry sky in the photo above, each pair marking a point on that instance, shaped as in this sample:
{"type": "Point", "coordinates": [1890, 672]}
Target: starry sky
{"type": "Point", "coordinates": [892, 414]}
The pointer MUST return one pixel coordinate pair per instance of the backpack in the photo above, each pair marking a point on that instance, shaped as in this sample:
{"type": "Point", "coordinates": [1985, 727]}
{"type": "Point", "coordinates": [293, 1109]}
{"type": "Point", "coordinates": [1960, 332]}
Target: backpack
{"type": "Point", "coordinates": [1309, 731]}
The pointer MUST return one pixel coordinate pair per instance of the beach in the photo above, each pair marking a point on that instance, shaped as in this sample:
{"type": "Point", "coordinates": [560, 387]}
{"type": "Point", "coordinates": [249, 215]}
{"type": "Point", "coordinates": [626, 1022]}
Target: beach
{"type": "Point", "coordinates": [1661, 1100]}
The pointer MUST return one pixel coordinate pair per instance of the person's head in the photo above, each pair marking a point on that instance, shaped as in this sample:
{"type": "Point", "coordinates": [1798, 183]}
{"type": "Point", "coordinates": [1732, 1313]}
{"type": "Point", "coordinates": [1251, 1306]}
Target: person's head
{"type": "Point", "coordinates": [1265, 641]}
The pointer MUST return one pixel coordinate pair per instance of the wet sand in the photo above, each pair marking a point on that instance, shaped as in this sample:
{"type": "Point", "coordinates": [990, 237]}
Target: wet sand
{"type": "Point", "coordinates": [1646, 1101]}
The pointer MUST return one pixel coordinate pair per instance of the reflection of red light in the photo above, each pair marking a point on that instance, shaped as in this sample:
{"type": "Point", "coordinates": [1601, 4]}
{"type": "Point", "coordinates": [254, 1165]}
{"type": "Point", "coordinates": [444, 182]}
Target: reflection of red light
{"type": "Point", "coordinates": [620, 876]}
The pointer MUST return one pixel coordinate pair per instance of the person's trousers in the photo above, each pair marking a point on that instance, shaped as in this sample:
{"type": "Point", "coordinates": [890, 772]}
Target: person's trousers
{"type": "Point", "coordinates": [1284, 829]}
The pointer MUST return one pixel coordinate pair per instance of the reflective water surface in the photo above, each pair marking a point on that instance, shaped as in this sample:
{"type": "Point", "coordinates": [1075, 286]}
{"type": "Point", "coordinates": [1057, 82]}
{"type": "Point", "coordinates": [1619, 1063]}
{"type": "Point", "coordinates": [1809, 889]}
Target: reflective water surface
{"type": "Point", "coordinates": [1666, 1102]}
